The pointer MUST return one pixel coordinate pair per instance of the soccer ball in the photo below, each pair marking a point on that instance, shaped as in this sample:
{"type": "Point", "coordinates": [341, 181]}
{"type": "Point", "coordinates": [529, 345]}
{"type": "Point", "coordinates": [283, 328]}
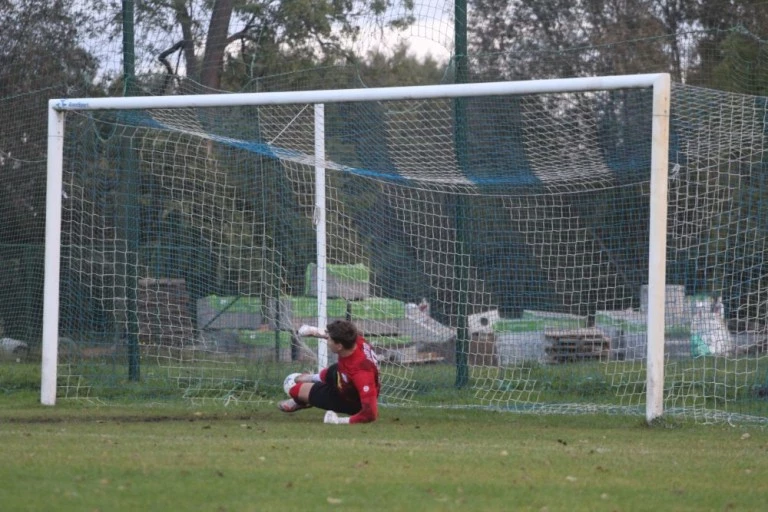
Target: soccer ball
{"type": "Point", "coordinates": [289, 382]}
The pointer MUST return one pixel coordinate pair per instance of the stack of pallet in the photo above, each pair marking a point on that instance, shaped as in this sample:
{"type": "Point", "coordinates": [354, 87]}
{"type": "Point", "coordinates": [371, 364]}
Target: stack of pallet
{"type": "Point", "coordinates": [571, 345]}
{"type": "Point", "coordinates": [163, 312]}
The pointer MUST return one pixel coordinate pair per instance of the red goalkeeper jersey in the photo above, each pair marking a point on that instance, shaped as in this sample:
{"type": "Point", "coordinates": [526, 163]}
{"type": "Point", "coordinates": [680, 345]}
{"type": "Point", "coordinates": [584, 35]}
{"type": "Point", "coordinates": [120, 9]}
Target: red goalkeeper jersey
{"type": "Point", "coordinates": [358, 381]}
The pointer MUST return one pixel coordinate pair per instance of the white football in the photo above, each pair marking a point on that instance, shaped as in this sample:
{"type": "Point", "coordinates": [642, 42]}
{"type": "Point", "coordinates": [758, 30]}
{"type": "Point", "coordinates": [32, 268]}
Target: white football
{"type": "Point", "coordinates": [289, 382]}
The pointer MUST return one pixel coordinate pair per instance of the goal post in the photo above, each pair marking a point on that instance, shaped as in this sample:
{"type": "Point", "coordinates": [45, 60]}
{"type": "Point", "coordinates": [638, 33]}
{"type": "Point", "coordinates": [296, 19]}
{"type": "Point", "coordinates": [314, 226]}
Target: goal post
{"type": "Point", "coordinates": [319, 221]}
{"type": "Point", "coordinates": [429, 248]}
{"type": "Point", "coordinates": [657, 262]}
{"type": "Point", "coordinates": [50, 344]}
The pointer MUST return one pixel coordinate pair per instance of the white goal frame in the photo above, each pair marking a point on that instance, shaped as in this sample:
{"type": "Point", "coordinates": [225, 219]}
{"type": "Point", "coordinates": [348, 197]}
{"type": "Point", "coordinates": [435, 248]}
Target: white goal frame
{"type": "Point", "coordinates": [660, 82]}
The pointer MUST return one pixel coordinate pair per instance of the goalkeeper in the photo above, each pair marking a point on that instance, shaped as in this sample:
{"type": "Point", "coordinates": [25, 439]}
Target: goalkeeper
{"type": "Point", "coordinates": [350, 386]}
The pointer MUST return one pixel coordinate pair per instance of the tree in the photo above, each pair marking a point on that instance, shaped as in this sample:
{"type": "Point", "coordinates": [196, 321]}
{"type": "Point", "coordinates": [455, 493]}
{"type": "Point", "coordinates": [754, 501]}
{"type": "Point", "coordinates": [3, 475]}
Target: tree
{"type": "Point", "coordinates": [402, 68]}
{"type": "Point", "coordinates": [39, 50]}
{"type": "Point", "coordinates": [208, 33]}
{"type": "Point", "coordinates": [40, 58]}
{"type": "Point", "coordinates": [39, 47]}
{"type": "Point", "coordinates": [720, 18]}
{"type": "Point", "coordinates": [674, 15]}
{"type": "Point", "coordinates": [730, 74]}
{"type": "Point", "coordinates": [524, 39]}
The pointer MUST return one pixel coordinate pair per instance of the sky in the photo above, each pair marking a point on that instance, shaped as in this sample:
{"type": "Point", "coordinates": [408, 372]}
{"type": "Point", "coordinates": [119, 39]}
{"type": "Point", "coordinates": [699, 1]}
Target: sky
{"type": "Point", "coordinates": [419, 46]}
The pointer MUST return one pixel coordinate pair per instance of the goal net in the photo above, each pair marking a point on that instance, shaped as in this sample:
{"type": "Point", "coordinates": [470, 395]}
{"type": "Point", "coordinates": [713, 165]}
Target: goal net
{"type": "Point", "coordinates": [491, 241]}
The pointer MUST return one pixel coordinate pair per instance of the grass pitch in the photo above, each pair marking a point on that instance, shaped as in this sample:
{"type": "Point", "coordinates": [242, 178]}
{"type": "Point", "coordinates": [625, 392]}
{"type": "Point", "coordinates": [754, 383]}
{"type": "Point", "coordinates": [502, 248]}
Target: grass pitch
{"type": "Point", "coordinates": [160, 457]}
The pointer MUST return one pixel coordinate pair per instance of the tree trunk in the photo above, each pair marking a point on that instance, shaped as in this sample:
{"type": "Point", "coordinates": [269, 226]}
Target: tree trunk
{"type": "Point", "coordinates": [185, 21]}
{"type": "Point", "coordinates": [216, 43]}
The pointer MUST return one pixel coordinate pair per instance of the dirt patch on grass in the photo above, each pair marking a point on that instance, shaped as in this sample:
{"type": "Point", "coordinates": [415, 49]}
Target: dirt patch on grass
{"type": "Point", "coordinates": [66, 417]}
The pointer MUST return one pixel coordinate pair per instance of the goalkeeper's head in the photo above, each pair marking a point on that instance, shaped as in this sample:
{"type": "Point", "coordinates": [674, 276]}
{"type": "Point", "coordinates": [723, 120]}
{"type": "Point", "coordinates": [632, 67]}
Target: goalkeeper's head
{"type": "Point", "coordinates": [342, 332]}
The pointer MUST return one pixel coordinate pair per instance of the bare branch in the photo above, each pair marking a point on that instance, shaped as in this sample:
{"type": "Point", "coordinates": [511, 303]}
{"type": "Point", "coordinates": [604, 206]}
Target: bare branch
{"type": "Point", "coordinates": [163, 57]}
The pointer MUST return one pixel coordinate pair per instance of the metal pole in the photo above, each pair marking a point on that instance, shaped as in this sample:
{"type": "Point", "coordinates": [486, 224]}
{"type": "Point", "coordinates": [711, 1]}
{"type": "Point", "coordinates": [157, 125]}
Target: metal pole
{"type": "Point", "coordinates": [130, 188]}
{"type": "Point", "coordinates": [129, 52]}
{"type": "Point", "coordinates": [461, 148]}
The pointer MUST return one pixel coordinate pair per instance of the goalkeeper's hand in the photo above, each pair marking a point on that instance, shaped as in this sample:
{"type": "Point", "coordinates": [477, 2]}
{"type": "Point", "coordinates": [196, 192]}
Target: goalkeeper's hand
{"type": "Point", "coordinates": [308, 378]}
{"type": "Point", "coordinates": [310, 330]}
{"type": "Point", "coordinates": [334, 419]}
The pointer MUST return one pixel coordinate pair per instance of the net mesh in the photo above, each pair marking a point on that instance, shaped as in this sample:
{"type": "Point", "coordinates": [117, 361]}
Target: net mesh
{"type": "Point", "coordinates": [505, 268]}
{"type": "Point", "coordinates": [187, 226]}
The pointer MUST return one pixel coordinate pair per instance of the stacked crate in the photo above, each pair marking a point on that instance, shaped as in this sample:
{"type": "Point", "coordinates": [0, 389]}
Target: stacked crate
{"type": "Point", "coordinates": [163, 312]}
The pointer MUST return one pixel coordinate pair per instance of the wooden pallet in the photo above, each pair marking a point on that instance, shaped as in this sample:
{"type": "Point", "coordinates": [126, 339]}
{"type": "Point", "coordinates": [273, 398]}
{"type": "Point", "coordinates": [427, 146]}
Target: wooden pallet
{"type": "Point", "coordinates": [423, 358]}
{"type": "Point", "coordinates": [482, 349]}
{"type": "Point", "coordinates": [163, 316]}
{"type": "Point", "coordinates": [571, 345]}
{"type": "Point", "coordinates": [406, 355]}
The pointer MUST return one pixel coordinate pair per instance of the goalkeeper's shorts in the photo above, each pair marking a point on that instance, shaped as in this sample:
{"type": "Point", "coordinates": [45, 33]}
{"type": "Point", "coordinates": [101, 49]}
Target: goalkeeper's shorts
{"type": "Point", "coordinates": [325, 395]}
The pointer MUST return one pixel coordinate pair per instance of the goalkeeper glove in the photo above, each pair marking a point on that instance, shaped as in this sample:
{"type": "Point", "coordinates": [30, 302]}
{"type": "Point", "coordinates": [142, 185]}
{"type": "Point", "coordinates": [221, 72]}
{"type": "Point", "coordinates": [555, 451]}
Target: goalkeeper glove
{"type": "Point", "coordinates": [334, 419]}
{"type": "Point", "coordinates": [309, 378]}
{"type": "Point", "coordinates": [309, 330]}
